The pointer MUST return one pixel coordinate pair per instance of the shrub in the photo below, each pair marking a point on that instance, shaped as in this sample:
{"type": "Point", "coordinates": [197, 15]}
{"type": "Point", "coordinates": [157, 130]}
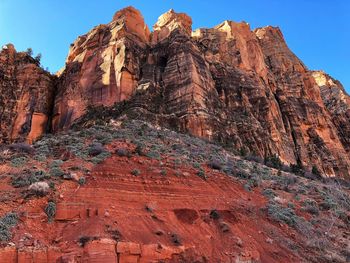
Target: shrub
{"type": "Point", "coordinates": [19, 161]}
{"type": "Point", "coordinates": [83, 240]}
{"type": "Point", "coordinates": [253, 158]}
{"type": "Point", "coordinates": [50, 210]}
{"type": "Point", "coordinates": [38, 58]}
{"type": "Point", "coordinates": [215, 164]}
{"type": "Point", "coordinates": [163, 172]}
{"type": "Point", "coordinates": [153, 155]}
{"type": "Point", "coordinates": [310, 206]}
{"type": "Point", "coordinates": [56, 172]}
{"type": "Point", "coordinates": [96, 149]}
{"type": "Point", "coordinates": [214, 214]}
{"type": "Point", "coordinates": [282, 214]}
{"type": "Point", "coordinates": [27, 178]}
{"type": "Point", "coordinates": [201, 174]}
{"type": "Point", "coordinates": [29, 51]}
{"type": "Point", "coordinates": [273, 161]}
{"type": "Point", "coordinates": [197, 165]}
{"type": "Point", "coordinates": [268, 192]}
{"type": "Point", "coordinates": [140, 149]}
{"type": "Point", "coordinates": [101, 157]}
{"type": "Point", "coordinates": [82, 180]}
{"type": "Point", "coordinates": [135, 172]}
{"type": "Point", "coordinates": [56, 163]}
{"type": "Point", "coordinates": [123, 152]}
{"type": "Point", "coordinates": [6, 222]}
{"type": "Point", "coordinates": [296, 169]}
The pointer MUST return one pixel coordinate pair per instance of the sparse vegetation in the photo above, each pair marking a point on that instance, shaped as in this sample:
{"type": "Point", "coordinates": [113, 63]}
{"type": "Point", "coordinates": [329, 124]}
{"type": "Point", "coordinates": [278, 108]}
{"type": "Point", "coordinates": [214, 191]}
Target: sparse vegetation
{"type": "Point", "coordinates": [135, 172]}
{"type": "Point", "coordinates": [282, 214]}
{"type": "Point", "coordinates": [214, 214]}
{"type": "Point", "coordinates": [19, 161]}
{"type": "Point", "coordinates": [82, 180]}
{"type": "Point", "coordinates": [6, 223]}
{"type": "Point", "coordinates": [50, 210]}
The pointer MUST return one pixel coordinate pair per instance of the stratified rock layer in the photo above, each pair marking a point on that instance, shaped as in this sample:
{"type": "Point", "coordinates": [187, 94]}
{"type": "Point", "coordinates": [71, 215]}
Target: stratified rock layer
{"type": "Point", "coordinates": [228, 83]}
{"type": "Point", "coordinates": [26, 96]}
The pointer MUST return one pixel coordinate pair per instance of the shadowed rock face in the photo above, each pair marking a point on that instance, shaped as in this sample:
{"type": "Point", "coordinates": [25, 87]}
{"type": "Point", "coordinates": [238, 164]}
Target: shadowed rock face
{"type": "Point", "coordinates": [26, 96]}
{"type": "Point", "coordinates": [228, 83]}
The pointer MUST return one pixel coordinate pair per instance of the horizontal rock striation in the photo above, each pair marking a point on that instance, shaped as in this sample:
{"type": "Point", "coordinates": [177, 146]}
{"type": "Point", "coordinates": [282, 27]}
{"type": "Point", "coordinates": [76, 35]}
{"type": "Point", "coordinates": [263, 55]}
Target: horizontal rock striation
{"type": "Point", "coordinates": [231, 84]}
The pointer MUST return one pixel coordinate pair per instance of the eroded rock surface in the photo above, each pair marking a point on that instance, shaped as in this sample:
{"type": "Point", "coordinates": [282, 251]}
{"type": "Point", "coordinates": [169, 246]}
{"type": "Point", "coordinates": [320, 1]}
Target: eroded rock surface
{"type": "Point", "coordinates": [102, 67]}
{"type": "Point", "coordinates": [26, 96]}
{"type": "Point", "coordinates": [227, 83]}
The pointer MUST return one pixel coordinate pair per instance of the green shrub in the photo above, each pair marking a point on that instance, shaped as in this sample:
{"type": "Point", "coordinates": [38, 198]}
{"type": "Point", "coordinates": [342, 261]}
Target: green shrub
{"type": "Point", "coordinates": [153, 155]}
{"type": "Point", "coordinates": [50, 210]}
{"type": "Point", "coordinates": [310, 206]}
{"type": "Point", "coordinates": [19, 161]}
{"type": "Point", "coordinates": [82, 180]}
{"type": "Point", "coordinates": [273, 161]}
{"type": "Point", "coordinates": [56, 172]}
{"type": "Point", "coordinates": [135, 172]}
{"type": "Point", "coordinates": [201, 174]}
{"type": "Point", "coordinates": [214, 214]}
{"type": "Point", "coordinates": [282, 214]}
{"type": "Point", "coordinates": [6, 222]}
{"type": "Point", "coordinates": [27, 178]}
{"type": "Point", "coordinates": [163, 172]}
{"type": "Point", "coordinates": [101, 157]}
{"type": "Point", "coordinates": [268, 192]}
{"type": "Point", "coordinates": [197, 165]}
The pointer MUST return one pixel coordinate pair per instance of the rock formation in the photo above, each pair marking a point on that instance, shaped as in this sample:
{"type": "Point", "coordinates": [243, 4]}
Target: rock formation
{"type": "Point", "coordinates": [102, 68]}
{"type": "Point", "coordinates": [26, 96]}
{"type": "Point", "coordinates": [229, 84]}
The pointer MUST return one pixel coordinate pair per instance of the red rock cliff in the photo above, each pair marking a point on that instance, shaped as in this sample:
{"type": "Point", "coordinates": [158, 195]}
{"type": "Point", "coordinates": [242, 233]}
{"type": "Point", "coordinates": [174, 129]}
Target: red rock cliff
{"type": "Point", "coordinates": [26, 96]}
{"type": "Point", "coordinates": [228, 83]}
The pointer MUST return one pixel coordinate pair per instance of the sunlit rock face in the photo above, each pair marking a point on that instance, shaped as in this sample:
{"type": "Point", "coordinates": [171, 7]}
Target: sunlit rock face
{"type": "Point", "coordinates": [228, 83]}
{"type": "Point", "coordinates": [102, 67]}
{"type": "Point", "coordinates": [337, 102]}
{"type": "Point", "coordinates": [26, 96]}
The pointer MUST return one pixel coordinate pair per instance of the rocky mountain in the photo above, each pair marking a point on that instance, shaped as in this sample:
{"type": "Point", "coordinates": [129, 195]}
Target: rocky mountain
{"type": "Point", "coordinates": [213, 145]}
{"type": "Point", "coordinates": [229, 84]}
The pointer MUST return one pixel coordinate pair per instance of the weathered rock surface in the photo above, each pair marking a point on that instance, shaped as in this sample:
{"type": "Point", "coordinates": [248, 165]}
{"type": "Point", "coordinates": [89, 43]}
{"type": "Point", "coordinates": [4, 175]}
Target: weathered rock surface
{"type": "Point", "coordinates": [102, 67]}
{"type": "Point", "coordinates": [228, 83]}
{"type": "Point", "coordinates": [26, 96]}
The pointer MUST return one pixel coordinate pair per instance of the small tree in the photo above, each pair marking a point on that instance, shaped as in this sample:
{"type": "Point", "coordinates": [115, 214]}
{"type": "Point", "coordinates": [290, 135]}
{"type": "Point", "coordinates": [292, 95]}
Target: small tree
{"type": "Point", "coordinates": [38, 58]}
{"type": "Point", "coordinates": [29, 51]}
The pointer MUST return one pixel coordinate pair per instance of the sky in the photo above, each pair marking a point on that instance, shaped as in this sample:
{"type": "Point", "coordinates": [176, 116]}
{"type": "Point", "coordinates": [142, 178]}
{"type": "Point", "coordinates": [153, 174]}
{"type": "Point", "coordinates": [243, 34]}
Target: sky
{"type": "Point", "coordinates": [317, 31]}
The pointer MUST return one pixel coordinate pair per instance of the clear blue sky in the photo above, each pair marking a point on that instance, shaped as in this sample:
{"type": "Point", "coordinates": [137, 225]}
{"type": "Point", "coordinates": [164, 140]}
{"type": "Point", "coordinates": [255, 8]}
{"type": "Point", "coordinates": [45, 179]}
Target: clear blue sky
{"type": "Point", "coordinates": [318, 31]}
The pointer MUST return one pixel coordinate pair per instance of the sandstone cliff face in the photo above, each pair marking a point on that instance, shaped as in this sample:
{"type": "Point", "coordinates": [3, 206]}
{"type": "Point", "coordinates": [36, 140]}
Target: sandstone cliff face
{"type": "Point", "coordinates": [228, 83]}
{"type": "Point", "coordinates": [102, 67]}
{"type": "Point", "coordinates": [26, 96]}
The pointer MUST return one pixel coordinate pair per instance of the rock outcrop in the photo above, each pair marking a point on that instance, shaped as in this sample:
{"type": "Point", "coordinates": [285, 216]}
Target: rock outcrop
{"type": "Point", "coordinates": [229, 84]}
{"type": "Point", "coordinates": [26, 96]}
{"type": "Point", "coordinates": [102, 68]}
